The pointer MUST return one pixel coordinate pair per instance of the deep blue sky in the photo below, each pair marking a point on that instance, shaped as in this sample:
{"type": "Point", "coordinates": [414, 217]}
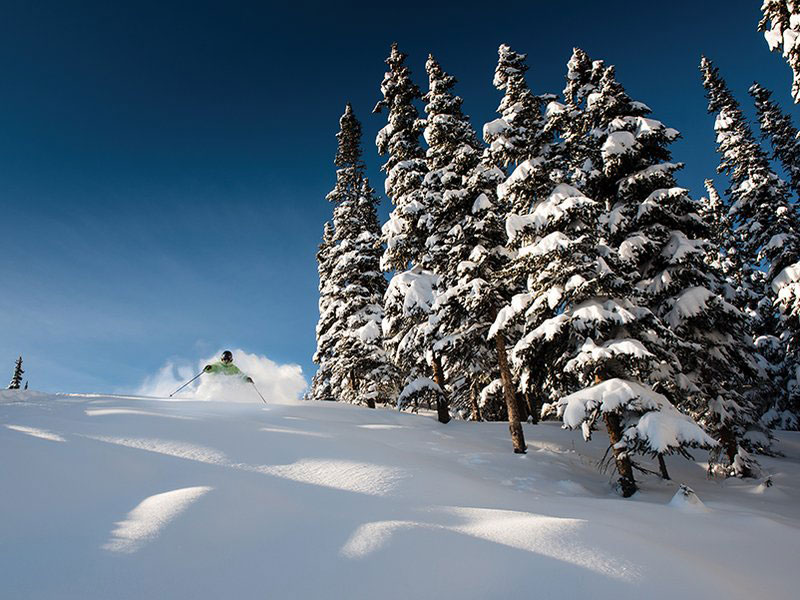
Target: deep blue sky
{"type": "Point", "coordinates": [163, 165]}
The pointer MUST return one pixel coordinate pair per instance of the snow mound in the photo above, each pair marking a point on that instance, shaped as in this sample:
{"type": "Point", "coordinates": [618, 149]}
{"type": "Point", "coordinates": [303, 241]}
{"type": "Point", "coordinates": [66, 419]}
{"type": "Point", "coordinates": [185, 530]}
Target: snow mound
{"type": "Point", "coordinates": [144, 522]}
{"type": "Point", "coordinates": [686, 499]}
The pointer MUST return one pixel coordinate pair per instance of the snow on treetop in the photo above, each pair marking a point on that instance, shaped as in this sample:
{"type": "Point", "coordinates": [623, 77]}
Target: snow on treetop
{"type": "Point", "coordinates": [560, 203]}
{"type": "Point", "coordinates": [418, 385]}
{"type": "Point", "coordinates": [482, 202]}
{"type": "Point", "coordinates": [612, 395]}
{"type": "Point", "coordinates": [415, 288]}
{"type": "Point", "coordinates": [665, 430]}
{"type": "Point", "coordinates": [690, 303]}
{"type": "Point", "coordinates": [592, 353]}
{"type": "Point", "coordinates": [680, 247]}
{"type": "Point", "coordinates": [518, 303]}
{"type": "Point", "coordinates": [661, 428]}
{"type": "Point", "coordinates": [494, 128]}
{"type": "Point", "coordinates": [554, 108]}
{"type": "Point", "coordinates": [619, 142]}
{"type": "Point", "coordinates": [550, 243]}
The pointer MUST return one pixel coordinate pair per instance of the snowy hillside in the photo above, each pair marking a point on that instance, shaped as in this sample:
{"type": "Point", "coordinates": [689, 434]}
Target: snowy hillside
{"type": "Point", "coordinates": [123, 497]}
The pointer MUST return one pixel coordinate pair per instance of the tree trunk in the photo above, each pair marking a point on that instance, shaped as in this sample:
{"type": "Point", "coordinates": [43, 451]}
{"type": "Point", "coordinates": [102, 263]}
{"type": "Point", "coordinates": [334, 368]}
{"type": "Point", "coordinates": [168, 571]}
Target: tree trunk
{"type": "Point", "coordinates": [663, 467]}
{"type": "Point", "coordinates": [626, 482]}
{"type": "Point", "coordinates": [533, 407]}
{"type": "Point", "coordinates": [514, 426]}
{"type": "Point", "coordinates": [522, 405]}
{"type": "Point", "coordinates": [473, 401]}
{"type": "Point", "coordinates": [442, 409]}
{"type": "Point", "coordinates": [729, 444]}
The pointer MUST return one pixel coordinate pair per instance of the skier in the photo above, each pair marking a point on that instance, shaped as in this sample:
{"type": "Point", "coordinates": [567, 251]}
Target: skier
{"type": "Point", "coordinates": [225, 366]}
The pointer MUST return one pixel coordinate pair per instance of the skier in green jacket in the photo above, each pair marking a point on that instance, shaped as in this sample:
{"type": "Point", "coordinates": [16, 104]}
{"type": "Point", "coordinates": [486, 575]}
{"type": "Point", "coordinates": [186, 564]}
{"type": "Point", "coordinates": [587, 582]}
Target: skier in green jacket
{"type": "Point", "coordinates": [225, 366]}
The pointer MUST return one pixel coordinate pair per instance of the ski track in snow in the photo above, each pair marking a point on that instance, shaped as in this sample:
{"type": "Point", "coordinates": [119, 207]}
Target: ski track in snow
{"type": "Point", "coordinates": [145, 522]}
{"type": "Point", "coordinates": [37, 433]}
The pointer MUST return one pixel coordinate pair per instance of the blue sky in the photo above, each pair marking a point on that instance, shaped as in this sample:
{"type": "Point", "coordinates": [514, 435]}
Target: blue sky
{"type": "Point", "coordinates": [163, 165]}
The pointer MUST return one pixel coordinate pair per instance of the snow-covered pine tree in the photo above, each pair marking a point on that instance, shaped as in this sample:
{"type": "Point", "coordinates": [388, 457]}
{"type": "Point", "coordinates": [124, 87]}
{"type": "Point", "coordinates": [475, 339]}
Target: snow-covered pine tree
{"type": "Point", "coordinates": [329, 325]}
{"type": "Point", "coordinates": [725, 257]}
{"type": "Point", "coordinates": [768, 231]}
{"type": "Point", "coordinates": [777, 126]}
{"type": "Point", "coordinates": [16, 379]}
{"type": "Point", "coordinates": [408, 300]}
{"type": "Point", "coordinates": [518, 134]}
{"type": "Point", "coordinates": [660, 239]}
{"type": "Point", "coordinates": [780, 23]}
{"type": "Point", "coordinates": [405, 166]}
{"type": "Point", "coordinates": [360, 368]}
{"type": "Point", "coordinates": [588, 345]}
{"type": "Point", "coordinates": [465, 232]}
{"type": "Point", "coordinates": [453, 152]}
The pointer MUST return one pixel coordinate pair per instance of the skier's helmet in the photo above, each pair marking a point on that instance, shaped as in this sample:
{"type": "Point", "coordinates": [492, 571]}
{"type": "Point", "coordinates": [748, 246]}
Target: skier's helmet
{"type": "Point", "coordinates": [227, 356]}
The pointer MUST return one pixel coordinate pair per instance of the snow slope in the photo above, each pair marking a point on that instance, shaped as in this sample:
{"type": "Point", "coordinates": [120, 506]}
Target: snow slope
{"type": "Point", "coordinates": [123, 497]}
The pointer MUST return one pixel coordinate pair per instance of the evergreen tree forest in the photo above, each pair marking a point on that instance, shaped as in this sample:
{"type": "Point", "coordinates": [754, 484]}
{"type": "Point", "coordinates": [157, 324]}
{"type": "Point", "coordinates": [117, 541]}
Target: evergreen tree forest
{"type": "Point", "coordinates": [551, 267]}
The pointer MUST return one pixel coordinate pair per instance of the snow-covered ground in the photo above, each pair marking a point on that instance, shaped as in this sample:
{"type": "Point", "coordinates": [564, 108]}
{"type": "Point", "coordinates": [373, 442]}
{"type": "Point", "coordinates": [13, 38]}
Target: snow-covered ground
{"type": "Point", "coordinates": [122, 497]}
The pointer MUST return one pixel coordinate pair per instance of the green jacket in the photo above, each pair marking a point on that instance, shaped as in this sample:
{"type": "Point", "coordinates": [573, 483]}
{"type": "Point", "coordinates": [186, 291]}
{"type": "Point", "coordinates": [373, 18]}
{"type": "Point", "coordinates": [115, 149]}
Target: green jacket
{"type": "Point", "coordinates": [220, 368]}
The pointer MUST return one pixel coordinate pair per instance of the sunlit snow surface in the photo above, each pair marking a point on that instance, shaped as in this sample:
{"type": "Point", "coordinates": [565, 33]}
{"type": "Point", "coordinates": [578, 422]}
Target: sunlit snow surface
{"type": "Point", "coordinates": [122, 497]}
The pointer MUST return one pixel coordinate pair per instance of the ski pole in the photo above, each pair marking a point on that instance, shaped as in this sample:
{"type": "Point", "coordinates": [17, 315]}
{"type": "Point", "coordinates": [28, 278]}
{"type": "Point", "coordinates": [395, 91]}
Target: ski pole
{"type": "Point", "coordinates": [185, 384]}
{"type": "Point", "coordinates": [257, 392]}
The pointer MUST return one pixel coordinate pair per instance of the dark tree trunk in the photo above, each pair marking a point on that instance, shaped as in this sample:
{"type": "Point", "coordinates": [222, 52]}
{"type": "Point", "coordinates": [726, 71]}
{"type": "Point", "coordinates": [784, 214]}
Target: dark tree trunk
{"type": "Point", "coordinates": [522, 405]}
{"type": "Point", "coordinates": [626, 482]}
{"type": "Point", "coordinates": [473, 401]}
{"type": "Point", "coordinates": [533, 407]}
{"type": "Point", "coordinates": [663, 467]}
{"type": "Point", "coordinates": [442, 409]}
{"type": "Point", "coordinates": [514, 426]}
{"type": "Point", "coordinates": [728, 443]}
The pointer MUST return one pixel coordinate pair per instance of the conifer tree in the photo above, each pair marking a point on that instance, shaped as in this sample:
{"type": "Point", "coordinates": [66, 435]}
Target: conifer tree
{"type": "Point", "coordinates": [601, 348]}
{"type": "Point", "coordinates": [356, 363]}
{"type": "Point", "coordinates": [654, 227]}
{"type": "Point", "coordinates": [780, 23]}
{"type": "Point", "coordinates": [16, 379]}
{"type": "Point", "coordinates": [518, 134]}
{"type": "Point", "coordinates": [409, 297]}
{"type": "Point", "coordinates": [405, 166]}
{"type": "Point", "coordinates": [453, 151]}
{"type": "Point", "coordinates": [777, 127]}
{"type": "Point", "coordinates": [767, 230]}
{"type": "Point", "coordinates": [360, 370]}
{"type": "Point", "coordinates": [464, 247]}
{"type": "Point", "coordinates": [328, 326]}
